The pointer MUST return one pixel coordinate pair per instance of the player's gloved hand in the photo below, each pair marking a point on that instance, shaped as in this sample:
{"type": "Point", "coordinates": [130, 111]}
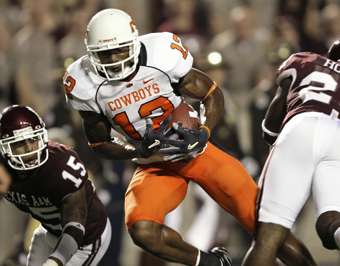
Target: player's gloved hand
{"type": "Point", "coordinates": [51, 262]}
{"type": "Point", "coordinates": [152, 139]}
{"type": "Point", "coordinates": [190, 143]}
{"type": "Point", "coordinates": [222, 254]}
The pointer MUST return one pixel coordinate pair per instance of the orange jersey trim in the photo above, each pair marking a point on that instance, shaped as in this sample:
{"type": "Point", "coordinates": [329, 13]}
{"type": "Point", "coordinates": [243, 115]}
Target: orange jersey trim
{"type": "Point", "coordinates": [94, 145]}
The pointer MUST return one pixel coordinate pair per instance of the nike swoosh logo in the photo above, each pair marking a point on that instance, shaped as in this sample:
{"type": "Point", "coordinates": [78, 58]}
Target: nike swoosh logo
{"type": "Point", "coordinates": [156, 143]}
{"type": "Point", "coordinates": [192, 146]}
{"type": "Point", "coordinates": [147, 80]}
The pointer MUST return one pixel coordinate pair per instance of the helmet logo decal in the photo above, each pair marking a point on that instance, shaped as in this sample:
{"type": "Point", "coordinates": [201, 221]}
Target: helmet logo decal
{"type": "Point", "coordinates": [108, 40]}
{"type": "Point", "coordinates": [69, 83]}
{"type": "Point", "coordinates": [177, 44]}
{"type": "Point", "coordinates": [133, 26]}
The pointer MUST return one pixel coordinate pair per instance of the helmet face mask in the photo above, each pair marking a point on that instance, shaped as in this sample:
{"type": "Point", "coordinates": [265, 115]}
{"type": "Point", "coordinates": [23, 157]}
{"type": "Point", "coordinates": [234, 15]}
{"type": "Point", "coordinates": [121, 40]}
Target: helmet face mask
{"type": "Point", "coordinates": [116, 63]}
{"type": "Point", "coordinates": [112, 44]}
{"type": "Point", "coordinates": [25, 150]}
{"type": "Point", "coordinates": [24, 147]}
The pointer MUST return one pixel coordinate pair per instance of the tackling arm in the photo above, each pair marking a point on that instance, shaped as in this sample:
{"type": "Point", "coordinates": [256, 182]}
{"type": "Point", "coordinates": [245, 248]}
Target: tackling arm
{"type": "Point", "coordinates": [276, 112]}
{"type": "Point", "coordinates": [73, 216]}
{"type": "Point", "coordinates": [198, 85]}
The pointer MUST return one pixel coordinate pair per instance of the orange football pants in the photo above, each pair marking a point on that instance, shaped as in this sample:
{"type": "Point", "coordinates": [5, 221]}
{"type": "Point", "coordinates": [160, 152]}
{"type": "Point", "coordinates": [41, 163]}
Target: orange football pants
{"type": "Point", "coordinates": [157, 189]}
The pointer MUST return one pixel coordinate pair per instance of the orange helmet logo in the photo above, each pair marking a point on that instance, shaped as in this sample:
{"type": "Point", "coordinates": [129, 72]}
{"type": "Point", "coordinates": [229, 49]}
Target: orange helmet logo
{"type": "Point", "coordinates": [133, 26]}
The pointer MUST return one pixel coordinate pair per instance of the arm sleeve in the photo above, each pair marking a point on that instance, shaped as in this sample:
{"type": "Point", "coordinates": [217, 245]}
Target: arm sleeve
{"type": "Point", "coordinates": [175, 59]}
{"type": "Point", "coordinates": [295, 67]}
{"type": "Point", "coordinates": [181, 68]}
{"type": "Point", "coordinates": [276, 112]}
{"type": "Point", "coordinates": [73, 220]}
{"type": "Point", "coordinates": [82, 105]}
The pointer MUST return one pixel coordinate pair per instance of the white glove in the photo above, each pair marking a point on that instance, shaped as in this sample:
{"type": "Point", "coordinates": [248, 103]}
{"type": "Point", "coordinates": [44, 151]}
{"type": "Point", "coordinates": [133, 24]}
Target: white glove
{"type": "Point", "coordinates": [50, 262]}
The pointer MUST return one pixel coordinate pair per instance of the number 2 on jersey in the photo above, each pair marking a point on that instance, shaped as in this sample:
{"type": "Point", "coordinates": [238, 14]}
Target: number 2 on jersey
{"type": "Point", "coordinates": [317, 83]}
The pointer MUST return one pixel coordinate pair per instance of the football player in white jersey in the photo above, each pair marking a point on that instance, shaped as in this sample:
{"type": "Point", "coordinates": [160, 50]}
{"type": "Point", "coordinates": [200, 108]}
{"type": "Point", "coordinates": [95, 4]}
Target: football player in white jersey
{"type": "Point", "coordinates": [125, 89]}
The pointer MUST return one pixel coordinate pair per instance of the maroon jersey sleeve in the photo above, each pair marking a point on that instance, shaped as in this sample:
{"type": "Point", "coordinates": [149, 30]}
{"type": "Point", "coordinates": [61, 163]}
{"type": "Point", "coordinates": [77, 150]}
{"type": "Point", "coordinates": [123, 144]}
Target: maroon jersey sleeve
{"type": "Point", "coordinates": [311, 85]}
{"type": "Point", "coordinates": [296, 67]}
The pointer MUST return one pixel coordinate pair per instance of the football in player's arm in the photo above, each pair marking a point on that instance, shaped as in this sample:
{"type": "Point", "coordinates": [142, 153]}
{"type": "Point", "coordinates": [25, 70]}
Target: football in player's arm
{"type": "Point", "coordinates": [48, 181]}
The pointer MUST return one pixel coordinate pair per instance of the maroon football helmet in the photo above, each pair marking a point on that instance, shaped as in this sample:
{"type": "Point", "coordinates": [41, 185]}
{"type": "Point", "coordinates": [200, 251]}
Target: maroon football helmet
{"type": "Point", "coordinates": [334, 51]}
{"type": "Point", "coordinates": [20, 126]}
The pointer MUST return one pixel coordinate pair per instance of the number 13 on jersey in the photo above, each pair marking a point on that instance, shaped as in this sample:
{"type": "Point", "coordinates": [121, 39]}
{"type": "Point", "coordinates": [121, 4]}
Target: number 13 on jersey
{"type": "Point", "coordinates": [144, 111]}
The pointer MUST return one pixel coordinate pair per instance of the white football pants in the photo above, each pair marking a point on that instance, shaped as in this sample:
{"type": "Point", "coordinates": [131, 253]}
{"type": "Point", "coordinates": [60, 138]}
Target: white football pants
{"type": "Point", "coordinates": [43, 244]}
{"type": "Point", "coordinates": [305, 159]}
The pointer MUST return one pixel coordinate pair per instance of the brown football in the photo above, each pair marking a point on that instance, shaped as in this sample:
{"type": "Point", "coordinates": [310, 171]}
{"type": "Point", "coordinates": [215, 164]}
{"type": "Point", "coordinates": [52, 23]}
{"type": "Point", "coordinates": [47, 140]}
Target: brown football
{"type": "Point", "coordinates": [186, 115]}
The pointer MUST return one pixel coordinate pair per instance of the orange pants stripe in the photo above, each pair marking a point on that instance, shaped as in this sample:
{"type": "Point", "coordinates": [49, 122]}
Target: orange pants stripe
{"type": "Point", "coordinates": [157, 189]}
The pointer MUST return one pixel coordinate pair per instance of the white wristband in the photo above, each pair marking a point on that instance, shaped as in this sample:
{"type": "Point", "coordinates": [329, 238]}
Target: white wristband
{"type": "Point", "coordinates": [198, 258]}
{"type": "Point", "coordinates": [50, 262]}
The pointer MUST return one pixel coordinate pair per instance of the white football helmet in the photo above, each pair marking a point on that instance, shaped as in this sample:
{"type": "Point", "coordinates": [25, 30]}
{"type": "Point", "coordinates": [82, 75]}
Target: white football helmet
{"type": "Point", "coordinates": [112, 45]}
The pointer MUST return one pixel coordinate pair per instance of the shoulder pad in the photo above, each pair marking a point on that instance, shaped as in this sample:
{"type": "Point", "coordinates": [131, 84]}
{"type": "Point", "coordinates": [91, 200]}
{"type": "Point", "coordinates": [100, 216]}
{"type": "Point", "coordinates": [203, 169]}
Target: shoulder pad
{"type": "Point", "coordinates": [295, 63]}
{"type": "Point", "coordinates": [166, 52]}
{"type": "Point", "coordinates": [298, 59]}
{"type": "Point", "coordinates": [80, 80]}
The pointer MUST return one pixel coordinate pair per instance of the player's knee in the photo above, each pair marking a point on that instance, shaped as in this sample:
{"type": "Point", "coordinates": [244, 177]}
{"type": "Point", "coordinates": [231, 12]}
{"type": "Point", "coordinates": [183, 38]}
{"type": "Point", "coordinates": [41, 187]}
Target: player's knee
{"type": "Point", "coordinates": [146, 235]}
{"type": "Point", "coordinates": [326, 225]}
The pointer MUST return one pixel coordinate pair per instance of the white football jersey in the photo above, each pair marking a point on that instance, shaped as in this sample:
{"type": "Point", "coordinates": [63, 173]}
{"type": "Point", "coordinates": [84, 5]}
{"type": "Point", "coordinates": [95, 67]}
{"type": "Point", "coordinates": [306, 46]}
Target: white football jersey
{"type": "Point", "coordinates": [149, 94]}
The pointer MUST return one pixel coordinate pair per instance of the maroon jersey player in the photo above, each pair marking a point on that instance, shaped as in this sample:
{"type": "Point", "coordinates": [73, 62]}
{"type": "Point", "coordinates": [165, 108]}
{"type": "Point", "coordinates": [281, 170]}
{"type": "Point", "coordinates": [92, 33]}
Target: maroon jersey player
{"type": "Point", "coordinates": [50, 182]}
{"type": "Point", "coordinates": [302, 123]}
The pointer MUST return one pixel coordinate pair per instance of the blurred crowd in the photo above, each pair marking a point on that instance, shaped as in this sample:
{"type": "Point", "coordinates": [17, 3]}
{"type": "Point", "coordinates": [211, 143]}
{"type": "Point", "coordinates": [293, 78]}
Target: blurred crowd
{"type": "Point", "coordinates": [238, 43]}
